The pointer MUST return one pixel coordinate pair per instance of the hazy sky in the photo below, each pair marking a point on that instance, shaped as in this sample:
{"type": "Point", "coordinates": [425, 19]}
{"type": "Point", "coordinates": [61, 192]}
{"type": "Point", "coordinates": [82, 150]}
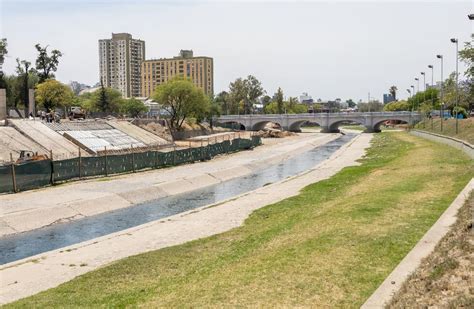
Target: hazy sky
{"type": "Point", "coordinates": [326, 48]}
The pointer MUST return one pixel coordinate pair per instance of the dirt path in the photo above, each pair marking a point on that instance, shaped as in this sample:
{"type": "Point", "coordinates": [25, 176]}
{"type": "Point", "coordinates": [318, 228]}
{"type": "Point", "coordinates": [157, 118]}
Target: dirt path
{"type": "Point", "coordinates": [23, 278]}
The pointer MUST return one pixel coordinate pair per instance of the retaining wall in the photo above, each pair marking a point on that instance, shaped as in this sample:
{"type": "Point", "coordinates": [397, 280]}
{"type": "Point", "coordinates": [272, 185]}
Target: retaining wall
{"type": "Point", "coordinates": [453, 142]}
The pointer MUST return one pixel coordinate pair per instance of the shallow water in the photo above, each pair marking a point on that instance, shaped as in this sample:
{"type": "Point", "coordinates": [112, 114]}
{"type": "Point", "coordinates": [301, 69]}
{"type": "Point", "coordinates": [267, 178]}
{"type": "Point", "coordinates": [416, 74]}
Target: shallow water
{"type": "Point", "coordinates": [23, 245]}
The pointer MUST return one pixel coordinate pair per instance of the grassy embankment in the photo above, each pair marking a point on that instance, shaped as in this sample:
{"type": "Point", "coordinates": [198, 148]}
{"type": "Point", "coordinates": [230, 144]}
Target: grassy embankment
{"type": "Point", "coordinates": [332, 245]}
{"type": "Point", "coordinates": [445, 278]}
{"type": "Point", "coordinates": [465, 128]}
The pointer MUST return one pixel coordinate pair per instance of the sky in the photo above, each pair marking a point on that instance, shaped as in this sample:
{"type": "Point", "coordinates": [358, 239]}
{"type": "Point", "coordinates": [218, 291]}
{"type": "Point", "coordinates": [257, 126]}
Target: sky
{"type": "Point", "coordinates": [329, 49]}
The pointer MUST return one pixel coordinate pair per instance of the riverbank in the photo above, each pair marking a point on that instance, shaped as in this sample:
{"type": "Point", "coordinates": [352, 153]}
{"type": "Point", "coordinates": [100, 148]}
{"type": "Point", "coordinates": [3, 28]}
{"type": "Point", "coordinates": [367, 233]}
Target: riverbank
{"type": "Point", "coordinates": [29, 210]}
{"type": "Point", "coordinates": [465, 128]}
{"type": "Point", "coordinates": [26, 277]}
{"type": "Point", "coordinates": [330, 246]}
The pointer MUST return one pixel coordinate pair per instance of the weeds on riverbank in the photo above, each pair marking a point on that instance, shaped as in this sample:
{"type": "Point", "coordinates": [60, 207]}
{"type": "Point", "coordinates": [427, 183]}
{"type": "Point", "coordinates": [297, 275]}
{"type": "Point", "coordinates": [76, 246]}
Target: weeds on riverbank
{"type": "Point", "coordinates": [445, 278]}
{"type": "Point", "coordinates": [331, 245]}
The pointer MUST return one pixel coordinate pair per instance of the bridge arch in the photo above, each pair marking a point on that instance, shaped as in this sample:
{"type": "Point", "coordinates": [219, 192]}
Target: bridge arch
{"type": "Point", "coordinates": [296, 125]}
{"type": "Point", "coordinates": [261, 125]}
{"type": "Point", "coordinates": [232, 125]}
{"type": "Point", "coordinates": [379, 123]}
{"type": "Point", "coordinates": [334, 127]}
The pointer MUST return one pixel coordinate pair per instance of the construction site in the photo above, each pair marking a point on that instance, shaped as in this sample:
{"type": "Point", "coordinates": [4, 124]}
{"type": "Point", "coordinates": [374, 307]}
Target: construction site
{"type": "Point", "coordinates": [35, 153]}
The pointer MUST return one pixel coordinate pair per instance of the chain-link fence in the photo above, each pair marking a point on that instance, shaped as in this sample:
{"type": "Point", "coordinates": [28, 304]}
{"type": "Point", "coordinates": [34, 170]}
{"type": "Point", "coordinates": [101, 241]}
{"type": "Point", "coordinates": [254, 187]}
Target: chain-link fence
{"type": "Point", "coordinates": [35, 174]}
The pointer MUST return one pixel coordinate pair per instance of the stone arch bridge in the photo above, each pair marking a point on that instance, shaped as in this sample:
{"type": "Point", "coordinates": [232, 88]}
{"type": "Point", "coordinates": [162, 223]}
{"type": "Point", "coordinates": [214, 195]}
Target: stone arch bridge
{"type": "Point", "coordinates": [329, 122]}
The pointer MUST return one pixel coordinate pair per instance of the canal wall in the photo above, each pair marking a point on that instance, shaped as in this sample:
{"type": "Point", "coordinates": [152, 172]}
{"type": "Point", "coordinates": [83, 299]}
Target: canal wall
{"type": "Point", "coordinates": [31, 210]}
{"type": "Point", "coordinates": [451, 141]}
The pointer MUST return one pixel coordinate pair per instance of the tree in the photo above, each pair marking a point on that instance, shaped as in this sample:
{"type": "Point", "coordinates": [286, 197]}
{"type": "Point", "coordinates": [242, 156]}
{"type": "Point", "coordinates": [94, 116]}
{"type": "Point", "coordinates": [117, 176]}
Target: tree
{"type": "Point", "coordinates": [46, 64]}
{"type": "Point", "coordinates": [373, 106]}
{"type": "Point", "coordinates": [396, 106]}
{"type": "Point", "coordinates": [245, 91]}
{"type": "Point", "coordinates": [254, 90]}
{"type": "Point", "coordinates": [393, 92]}
{"type": "Point", "coordinates": [181, 99]}
{"type": "Point", "coordinates": [237, 95]}
{"type": "Point", "coordinates": [265, 100]}
{"type": "Point", "coordinates": [279, 100]}
{"type": "Point", "coordinates": [351, 103]}
{"type": "Point", "coordinates": [133, 107]}
{"type": "Point", "coordinates": [222, 99]}
{"type": "Point", "coordinates": [3, 53]}
{"type": "Point", "coordinates": [23, 70]}
{"type": "Point", "coordinates": [467, 56]}
{"type": "Point", "coordinates": [51, 94]}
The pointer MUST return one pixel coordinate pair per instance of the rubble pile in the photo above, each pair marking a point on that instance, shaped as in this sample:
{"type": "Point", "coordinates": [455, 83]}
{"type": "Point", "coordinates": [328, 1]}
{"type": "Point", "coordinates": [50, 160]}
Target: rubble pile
{"type": "Point", "coordinates": [274, 133]}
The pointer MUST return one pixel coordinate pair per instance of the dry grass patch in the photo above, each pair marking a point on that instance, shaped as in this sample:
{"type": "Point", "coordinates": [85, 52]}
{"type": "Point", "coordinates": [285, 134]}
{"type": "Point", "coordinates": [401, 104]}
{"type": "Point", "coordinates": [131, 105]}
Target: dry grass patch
{"type": "Point", "coordinates": [330, 246]}
{"type": "Point", "coordinates": [445, 278]}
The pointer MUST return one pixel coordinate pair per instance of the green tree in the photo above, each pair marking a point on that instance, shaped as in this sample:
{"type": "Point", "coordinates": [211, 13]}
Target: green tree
{"type": "Point", "coordinates": [373, 106]}
{"type": "Point", "coordinates": [223, 100]}
{"type": "Point", "coordinates": [3, 53]}
{"type": "Point", "coordinates": [237, 95]}
{"type": "Point", "coordinates": [46, 64]}
{"type": "Point", "coordinates": [246, 91]}
{"type": "Point", "coordinates": [266, 99]}
{"type": "Point", "coordinates": [396, 106]}
{"type": "Point", "coordinates": [254, 91]}
{"type": "Point", "coordinates": [133, 107]}
{"type": "Point", "coordinates": [279, 101]}
{"type": "Point", "coordinates": [51, 94]}
{"type": "Point", "coordinates": [181, 99]}
{"type": "Point", "coordinates": [393, 92]}
{"type": "Point", "coordinates": [467, 56]}
{"type": "Point", "coordinates": [351, 103]}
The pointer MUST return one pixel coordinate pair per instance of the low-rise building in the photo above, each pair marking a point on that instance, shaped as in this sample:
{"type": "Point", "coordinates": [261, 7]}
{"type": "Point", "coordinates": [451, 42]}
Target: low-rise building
{"type": "Point", "coordinates": [157, 71]}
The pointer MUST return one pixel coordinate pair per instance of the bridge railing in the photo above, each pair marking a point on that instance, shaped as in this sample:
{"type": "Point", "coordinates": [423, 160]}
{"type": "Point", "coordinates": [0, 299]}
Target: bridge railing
{"type": "Point", "coordinates": [316, 115]}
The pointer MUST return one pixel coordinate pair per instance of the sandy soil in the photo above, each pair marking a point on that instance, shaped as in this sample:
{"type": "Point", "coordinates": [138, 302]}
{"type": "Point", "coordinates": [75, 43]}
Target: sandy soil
{"type": "Point", "coordinates": [29, 276]}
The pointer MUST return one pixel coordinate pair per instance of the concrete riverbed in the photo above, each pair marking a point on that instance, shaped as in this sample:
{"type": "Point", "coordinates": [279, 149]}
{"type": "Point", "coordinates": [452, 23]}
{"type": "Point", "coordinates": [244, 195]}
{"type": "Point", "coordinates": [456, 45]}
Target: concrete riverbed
{"type": "Point", "coordinates": [28, 276]}
{"type": "Point", "coordinates": [26, 211]}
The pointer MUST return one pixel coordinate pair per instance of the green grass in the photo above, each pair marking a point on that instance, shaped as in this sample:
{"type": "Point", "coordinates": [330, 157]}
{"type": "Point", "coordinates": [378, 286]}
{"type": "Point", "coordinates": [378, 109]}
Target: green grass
{"type": "Point", "coordinates": [330, 246]}
{"type": "Point", "coordinates": [465, 128]}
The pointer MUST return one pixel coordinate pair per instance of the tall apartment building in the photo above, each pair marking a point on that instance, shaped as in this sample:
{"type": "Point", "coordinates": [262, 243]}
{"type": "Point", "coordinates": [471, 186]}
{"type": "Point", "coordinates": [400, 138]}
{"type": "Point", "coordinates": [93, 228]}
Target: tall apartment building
{"type": "Point", "coordinates": [120, 63]}
{"type": "Point", "coordinates": [199, 69]}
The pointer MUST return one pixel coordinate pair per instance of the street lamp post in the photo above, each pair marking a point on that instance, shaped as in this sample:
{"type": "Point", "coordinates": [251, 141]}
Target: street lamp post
{"type": "Point", "coordinates": [440, 57]}
{"type": "Point", "coordinates": [417, 89]}
{"type": "Point", "coordinates": [432, 97]}
{"type": "Point", "coordinates": [409, 93]}
{"type": "Point", "coordinates": [424, 96]}
{"type": "Point", "coordinates": [455, 41]}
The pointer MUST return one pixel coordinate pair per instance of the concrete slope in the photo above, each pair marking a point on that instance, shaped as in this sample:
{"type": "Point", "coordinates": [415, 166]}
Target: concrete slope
{"type": "Point", "coordinates": [27, 277]}
{"type": "Point", "coordinates": [46, 137]}
{"type": "Point", "coordinates": [12, 141]}
{"type": "Point", "coordinates": [138, 133]}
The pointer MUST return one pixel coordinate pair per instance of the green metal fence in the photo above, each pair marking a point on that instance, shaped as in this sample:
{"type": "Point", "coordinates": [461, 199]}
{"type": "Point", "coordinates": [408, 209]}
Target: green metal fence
{"type": "Point", "coordinates": [36, 174]}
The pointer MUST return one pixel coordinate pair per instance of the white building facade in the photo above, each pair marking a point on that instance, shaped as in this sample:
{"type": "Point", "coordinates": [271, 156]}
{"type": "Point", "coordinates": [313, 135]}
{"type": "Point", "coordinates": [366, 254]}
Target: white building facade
{"type": "Point", "coordinates": [120, 60]}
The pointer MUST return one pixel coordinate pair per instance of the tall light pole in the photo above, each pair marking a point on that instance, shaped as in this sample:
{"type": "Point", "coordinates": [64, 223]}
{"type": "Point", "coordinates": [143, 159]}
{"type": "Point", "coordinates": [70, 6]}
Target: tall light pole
{"type": "Point", "coordinates": [430, 66]}
{"type": "Point", "coordinates": [417, 90]}
{"type": "Point", "coordinates": [455, 41]}
{"type": "Point", "coordinates": [440, 57]}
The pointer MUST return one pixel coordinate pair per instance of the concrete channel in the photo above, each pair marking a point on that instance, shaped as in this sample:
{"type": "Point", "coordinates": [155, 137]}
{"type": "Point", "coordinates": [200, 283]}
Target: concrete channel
{"type": "Point", "coordinates": [26, 277]}
{"type": "Point", "coordinates": [26, 244]}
